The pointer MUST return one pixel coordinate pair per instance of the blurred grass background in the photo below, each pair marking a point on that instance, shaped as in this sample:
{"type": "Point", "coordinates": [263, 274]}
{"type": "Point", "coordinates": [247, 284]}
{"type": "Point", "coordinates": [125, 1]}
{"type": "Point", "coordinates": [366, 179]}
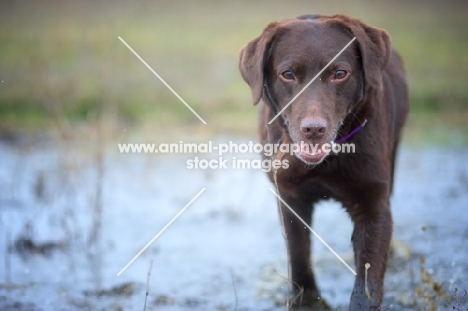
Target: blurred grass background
{"type": "Point", "coordinates": [61, 62]}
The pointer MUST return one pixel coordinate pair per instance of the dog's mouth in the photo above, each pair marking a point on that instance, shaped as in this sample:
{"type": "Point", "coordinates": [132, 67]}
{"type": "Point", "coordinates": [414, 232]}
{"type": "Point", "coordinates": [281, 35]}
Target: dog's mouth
{"type": "Point", "coordinates": [310, 153]}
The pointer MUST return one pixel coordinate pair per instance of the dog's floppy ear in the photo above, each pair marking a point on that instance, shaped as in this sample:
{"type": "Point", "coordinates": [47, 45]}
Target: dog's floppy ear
{"type": "Point", "coordinates": [375, 48]}
{"type": "Point", "coordinates": [252, 60]}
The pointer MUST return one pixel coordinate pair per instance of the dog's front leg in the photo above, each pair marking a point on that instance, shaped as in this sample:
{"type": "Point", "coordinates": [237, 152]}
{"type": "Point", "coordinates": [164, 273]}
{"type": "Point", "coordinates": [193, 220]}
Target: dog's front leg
{"type": "Point", "coordinates": [371, 242]}
{"type": "Point", "coordinates": [298, 244]}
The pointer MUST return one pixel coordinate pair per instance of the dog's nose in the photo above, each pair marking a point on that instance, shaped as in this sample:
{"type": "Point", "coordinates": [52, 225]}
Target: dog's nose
{"type": "Point", "coordinates": [313, 127]}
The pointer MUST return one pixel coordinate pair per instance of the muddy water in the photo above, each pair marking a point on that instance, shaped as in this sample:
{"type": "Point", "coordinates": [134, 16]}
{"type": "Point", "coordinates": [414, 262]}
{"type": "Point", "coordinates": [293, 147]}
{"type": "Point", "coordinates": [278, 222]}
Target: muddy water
{"type": "Point", "coordinates": [68, 226]}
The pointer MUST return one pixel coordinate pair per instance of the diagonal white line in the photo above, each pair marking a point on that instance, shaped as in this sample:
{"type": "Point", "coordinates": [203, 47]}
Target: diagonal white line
{"type": "Point", "coordinates": [162, 80]}
{"type": "Point", "coordinates": [312, 230]}
{"type": "Point", "coordinates": [316, 76]}
{"type": "Point", "coordinates": [160, 232]}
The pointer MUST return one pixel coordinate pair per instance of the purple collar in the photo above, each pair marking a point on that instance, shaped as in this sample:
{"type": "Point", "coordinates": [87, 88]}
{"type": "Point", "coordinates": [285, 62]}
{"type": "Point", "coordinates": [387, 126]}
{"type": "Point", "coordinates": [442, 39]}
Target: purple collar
{"type": "Point", "coordinates": [351, 133]}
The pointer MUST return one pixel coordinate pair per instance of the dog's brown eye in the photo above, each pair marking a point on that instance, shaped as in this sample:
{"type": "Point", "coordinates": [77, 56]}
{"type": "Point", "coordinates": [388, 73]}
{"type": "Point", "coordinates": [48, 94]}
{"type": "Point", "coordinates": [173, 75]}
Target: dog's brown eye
{"type": "Point", "coordinates": [340, 74]}
{"type": "Point", "coordinates": [288, 75]}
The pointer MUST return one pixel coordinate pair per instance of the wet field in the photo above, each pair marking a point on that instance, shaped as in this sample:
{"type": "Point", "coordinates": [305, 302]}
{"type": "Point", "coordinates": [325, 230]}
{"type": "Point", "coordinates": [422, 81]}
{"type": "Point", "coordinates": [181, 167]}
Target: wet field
{"type": "Point", "coordinates": [71, 221]}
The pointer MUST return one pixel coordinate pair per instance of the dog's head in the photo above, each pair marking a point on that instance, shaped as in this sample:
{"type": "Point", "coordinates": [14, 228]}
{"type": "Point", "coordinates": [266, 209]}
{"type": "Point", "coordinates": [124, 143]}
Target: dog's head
{"type": "Point", "coordinates": [289, 54]}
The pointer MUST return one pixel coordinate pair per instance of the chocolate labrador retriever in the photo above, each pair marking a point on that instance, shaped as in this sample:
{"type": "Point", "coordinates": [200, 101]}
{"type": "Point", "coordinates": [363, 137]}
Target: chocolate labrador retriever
{"type": "Point", "coordinates": [365, 83]}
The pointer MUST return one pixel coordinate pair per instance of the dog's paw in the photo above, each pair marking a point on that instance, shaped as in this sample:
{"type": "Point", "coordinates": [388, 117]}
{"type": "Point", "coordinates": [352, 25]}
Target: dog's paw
{"type": "Point", "coordinates": [310, 302]}
{"type": "Point", "coordinates": [363, 303]}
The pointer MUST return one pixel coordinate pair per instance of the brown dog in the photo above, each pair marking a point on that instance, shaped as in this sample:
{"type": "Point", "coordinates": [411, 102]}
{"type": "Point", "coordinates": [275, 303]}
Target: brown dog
{"type": "Point", "coordinates": [366, 82]}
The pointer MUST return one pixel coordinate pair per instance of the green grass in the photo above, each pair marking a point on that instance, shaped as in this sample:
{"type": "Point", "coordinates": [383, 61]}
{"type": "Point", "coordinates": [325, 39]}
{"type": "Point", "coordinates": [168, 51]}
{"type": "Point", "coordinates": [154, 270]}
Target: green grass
{"type": "Point", "coordinates": [62, 59]}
